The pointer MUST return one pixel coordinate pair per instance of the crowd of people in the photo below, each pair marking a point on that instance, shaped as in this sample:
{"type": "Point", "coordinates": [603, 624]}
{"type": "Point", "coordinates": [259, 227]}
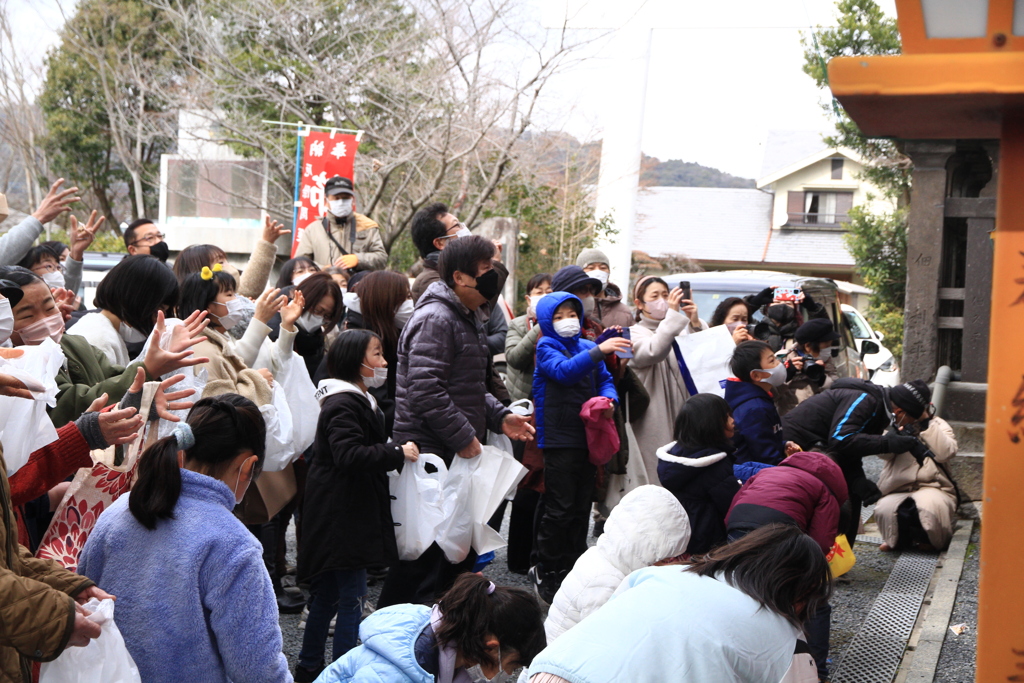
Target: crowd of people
{"type": "Point", "coordinates": [714, 514]}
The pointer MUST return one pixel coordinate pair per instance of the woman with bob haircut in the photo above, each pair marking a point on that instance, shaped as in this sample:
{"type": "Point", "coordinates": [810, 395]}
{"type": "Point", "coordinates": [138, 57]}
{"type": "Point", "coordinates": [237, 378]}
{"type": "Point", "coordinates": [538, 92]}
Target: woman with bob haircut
{"type": "Point", "coordinates": [735, 614]}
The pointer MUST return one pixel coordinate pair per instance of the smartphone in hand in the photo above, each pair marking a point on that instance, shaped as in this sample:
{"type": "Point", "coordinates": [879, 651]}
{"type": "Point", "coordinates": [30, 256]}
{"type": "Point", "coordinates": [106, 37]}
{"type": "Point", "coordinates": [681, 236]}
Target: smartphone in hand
{"type": "Point", "coordinates": [628, 353]}
{"type": "Point", "coordinates": [685, 287]}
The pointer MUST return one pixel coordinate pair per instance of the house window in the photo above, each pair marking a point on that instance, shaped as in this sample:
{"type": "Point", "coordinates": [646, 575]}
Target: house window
{"type": "Point", "coordinates": [819, 208]}
{"type": "Point", "coordinates": [837, 169]}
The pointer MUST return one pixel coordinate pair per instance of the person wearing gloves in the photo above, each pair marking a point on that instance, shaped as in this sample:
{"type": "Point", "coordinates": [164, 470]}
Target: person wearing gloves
{"type": "Point", "coordinates": [609, 309]}
{"type": "Point", "coordinates": [342, 237]}
{"type": "Point", "coordinates": [347, 504]}
{"type": "Point", "coordinates": [919, 497]}
{"type": "Point", "coordinates": [661, 316]}
{"type": "Point", "coordinates": [442, 398]}
{"type": "Point", "coordinates": [648, 526]}
{"type": "Point", "coordinates": [16, 242]}
{"type": "Point", "coordinates": [757, 373]}
{"type": "Point", "coordinates": [809, 366]}
{"type": "Point", "coordinates": [848, 421]}
{"type": "Point", "coordinates": [195, 600]}
{"type": "Point", "coordinates": [569, 372]}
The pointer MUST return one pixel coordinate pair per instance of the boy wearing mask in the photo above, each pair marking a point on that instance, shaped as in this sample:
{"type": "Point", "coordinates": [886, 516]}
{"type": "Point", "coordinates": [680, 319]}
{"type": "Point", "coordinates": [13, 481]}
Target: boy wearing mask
{"type": "Point", "coordinates": [759, 442]}
{"type": "Point", "coordinates": [569, 372]}
{"type": "Point", "coordinates": [343, 238]}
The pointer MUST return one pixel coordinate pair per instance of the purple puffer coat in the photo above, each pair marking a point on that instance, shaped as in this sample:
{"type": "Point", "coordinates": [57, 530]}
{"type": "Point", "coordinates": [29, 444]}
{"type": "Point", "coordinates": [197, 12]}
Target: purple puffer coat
{"type": "Point", "coordinates": [442, 400]}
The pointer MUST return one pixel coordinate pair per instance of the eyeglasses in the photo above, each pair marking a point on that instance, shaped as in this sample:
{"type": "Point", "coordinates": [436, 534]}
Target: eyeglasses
{"type": "Point", "coordinates": [48, 267]}
{"type": "Point", "coordinates": [158, 236]}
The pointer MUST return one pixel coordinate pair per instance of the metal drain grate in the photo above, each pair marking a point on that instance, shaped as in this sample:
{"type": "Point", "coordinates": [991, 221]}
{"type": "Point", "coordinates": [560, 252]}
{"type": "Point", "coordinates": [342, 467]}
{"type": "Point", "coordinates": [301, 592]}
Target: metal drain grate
{"type": "Point", "coordinates": [874, 654]}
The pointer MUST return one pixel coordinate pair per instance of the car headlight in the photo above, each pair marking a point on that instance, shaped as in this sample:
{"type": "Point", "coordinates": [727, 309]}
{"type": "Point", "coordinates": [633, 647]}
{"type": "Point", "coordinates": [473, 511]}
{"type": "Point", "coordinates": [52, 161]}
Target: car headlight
{"type": "Point", "coordinates": [888, 365]}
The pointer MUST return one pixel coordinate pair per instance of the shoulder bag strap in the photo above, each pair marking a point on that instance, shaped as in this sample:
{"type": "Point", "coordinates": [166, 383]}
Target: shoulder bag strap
{"type": "Point", "coordinates": [687, 378]}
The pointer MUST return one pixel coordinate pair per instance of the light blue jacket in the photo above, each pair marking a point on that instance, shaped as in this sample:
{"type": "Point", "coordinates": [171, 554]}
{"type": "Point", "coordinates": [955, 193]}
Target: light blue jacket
{"type": "Point", "coordinates": [674, 625]}
{"type": "Point", "coordinates": [194, 600]}
{"type": "Point", "coordinates": [387, 654]}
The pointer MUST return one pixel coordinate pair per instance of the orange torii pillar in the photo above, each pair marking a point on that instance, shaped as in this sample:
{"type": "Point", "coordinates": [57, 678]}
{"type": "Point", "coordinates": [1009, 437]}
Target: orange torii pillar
{"type": "Point", "coordinates": [962, 76]}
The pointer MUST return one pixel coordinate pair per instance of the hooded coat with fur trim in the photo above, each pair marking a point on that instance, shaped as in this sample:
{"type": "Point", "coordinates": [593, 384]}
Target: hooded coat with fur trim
{"type": "Point", "coordinates": [647, 526]}
{"type": "Point", "coordinates": [569, 372]}
{"type": "Point", "coordinates": [704, 482]}
{"type": "Point", "coordinates": [805, 489]}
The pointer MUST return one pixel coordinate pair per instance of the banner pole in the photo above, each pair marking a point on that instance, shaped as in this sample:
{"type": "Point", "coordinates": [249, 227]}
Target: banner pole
{"type": "Point", "coordinates": [298, 184]}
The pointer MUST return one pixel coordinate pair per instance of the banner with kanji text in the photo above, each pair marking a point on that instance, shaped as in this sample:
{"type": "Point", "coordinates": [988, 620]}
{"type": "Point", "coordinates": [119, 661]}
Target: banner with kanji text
{"type": "Point", "coordinates": [324, 154]}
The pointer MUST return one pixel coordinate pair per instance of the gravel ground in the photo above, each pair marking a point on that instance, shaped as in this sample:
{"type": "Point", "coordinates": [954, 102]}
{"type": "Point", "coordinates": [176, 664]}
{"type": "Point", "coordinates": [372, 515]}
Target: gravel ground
{"type": "Point", "coordinates": [854, 595]}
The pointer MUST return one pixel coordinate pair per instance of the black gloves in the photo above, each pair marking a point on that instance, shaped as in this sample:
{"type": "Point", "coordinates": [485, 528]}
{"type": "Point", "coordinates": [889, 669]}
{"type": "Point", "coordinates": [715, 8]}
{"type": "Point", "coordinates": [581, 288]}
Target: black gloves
{"type": "Point", "coordinates": [866, 490]}
{"type": "Point", "coordinates": [897, 443]}
{"type": "Point", "coordinates": [920, 451]}
{"type": "Point", "coordinates": [763, 298]}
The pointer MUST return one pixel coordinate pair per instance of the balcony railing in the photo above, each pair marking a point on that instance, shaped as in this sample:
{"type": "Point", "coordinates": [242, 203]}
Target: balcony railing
{"type": "Point", "coordinates": [822, 219]}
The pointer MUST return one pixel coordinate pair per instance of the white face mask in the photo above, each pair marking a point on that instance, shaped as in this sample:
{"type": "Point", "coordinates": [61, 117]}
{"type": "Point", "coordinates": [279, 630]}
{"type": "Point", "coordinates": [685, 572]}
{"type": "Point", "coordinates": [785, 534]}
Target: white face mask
{"type": "Point", "coordinates": [567, 327]}
{"type": "Point", "coordinates": [311, 322]}
{"type": "Point", "coordinates": [6, 320]}
{"type": "Point", "coordinates": [599, 274]}
{"type": "Point", "coordinates": [776, 376]}
{"type": "Point", "coordinates": [238, 480]}
{"type": "Point", "coordinates": [54, 279]}
{"type": "Point", "coordinates": [403, 313]}
{"type": "Point", "coordinates": [463, 232]}
{"type": "Point", "coordinates": [236, 309]}
{"type": "Point", "coordinates": [351, 300]}
{"type": "Point", "coordinates": [534, 300]}
{"type": "Point", "coordinates": [299, 278]}
{"type": "Point", "coordinates": [380, 376]}
{"type": "Point", "coordinates": [129, 334]}
{"type": "Point", "coordinates": [342, 208]}
{"type": "Point", "coordinates": [476, 673]}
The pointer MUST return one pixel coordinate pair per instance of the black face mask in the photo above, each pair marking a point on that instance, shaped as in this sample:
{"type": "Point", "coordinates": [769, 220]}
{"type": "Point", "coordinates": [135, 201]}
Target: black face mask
{"type": "Point", "coordinates": [487, 284]}
{"type": "Point", "coordinates": [160, 251]}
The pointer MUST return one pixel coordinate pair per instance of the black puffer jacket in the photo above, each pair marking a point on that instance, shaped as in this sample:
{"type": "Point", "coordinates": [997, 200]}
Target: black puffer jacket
{"type": "Point", "coordinates": [442, 400]}
{"type": "Point", "coordinates": [703, 481]}
{"type": "Point", "coordinates": [346, 511]}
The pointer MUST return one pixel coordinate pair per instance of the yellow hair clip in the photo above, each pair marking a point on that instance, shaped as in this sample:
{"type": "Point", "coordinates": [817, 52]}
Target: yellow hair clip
{"type": "Point", "coordinates": [206, 273]}
{"type": "Point", "coordinates": [217, 267]}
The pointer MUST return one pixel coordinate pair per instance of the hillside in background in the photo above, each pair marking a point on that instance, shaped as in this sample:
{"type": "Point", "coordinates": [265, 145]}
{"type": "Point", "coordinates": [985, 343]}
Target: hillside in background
{"type": "Point", "coordinates": [679, 173]}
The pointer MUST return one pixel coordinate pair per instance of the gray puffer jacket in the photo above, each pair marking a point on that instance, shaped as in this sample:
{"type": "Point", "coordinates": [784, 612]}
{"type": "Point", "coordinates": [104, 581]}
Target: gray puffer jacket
{"type": "Point", "coordinates": [442, 400]}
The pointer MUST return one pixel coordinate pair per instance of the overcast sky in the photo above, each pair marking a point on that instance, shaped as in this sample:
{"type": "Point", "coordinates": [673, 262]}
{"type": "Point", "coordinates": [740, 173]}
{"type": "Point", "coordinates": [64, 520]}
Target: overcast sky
{"type": "Point", "coordinates": [721, 75]}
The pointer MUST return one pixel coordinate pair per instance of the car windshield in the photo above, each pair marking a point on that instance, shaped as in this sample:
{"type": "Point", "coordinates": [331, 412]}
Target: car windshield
{"type": "Point", "coordinates": [707, 301]}
{"type": "Point", "coordinates": [857, 325]}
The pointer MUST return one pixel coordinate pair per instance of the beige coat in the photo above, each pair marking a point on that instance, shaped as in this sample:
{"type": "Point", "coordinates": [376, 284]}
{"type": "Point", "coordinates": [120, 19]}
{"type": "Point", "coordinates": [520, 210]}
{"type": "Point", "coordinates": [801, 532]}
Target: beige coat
{"type": "Point", "coordinates": [655, 363]}
{"type": "Point", "coordinates": [257, 271]}
{"type": "Point", "coordinates": [227, 373]}
{"type": "Point", "coordinates": [37, 610]}
{"type": "Point", "coordinates": [367, 245]}
{"type": "Point", "coordinates": [928, 484]}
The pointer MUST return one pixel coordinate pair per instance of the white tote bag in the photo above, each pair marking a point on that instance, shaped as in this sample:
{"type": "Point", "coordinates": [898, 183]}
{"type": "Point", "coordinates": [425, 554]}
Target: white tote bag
{"type": "Point", "coordinates": [25, 426]}
{"type": "Point", "coordinates": [416, 504]}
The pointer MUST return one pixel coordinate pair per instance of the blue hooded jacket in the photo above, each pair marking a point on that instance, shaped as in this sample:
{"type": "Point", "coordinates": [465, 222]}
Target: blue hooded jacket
{"type": "Point", "coordinates": [569, 372]}
{"type": "Point", "coordinates": [758, 425]}
{"type": "Point", "coordinates": [388, 650]}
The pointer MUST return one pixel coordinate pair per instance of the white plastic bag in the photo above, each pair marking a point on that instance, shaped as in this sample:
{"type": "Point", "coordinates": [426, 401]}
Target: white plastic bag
{"type": "Point", "coordinates": [707, 354]}
{"type": "Point", "coordinates": [193, 379]}
{"type": "Point", "coordinates": [25, 426]}
{"type": "Point", "coordinates": [416, 505]}
{"type": "Point", "coordinates": [277, 416]}
{"type": "Point", "coordinates": [294, 394]}
{"type": "Point", "coordinates": [103, 660]}
{"type": "Point", "coordinates": [473, 491]}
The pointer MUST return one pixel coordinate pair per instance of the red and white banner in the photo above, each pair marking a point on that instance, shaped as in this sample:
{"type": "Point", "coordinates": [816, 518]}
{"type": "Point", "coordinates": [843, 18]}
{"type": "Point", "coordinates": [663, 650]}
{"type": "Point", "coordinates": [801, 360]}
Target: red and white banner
{"type": "Point", "coordinates": [324, 154]}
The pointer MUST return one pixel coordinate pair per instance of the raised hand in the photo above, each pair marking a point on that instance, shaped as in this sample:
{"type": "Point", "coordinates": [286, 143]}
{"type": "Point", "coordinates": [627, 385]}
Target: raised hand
{"type": "Point", "coordinates": [675, 298]}
{"type": "Point", "coordinates": [269, 303]}
{"type": "Point", "coordinates": [161, 361]}
{"type": "Point", "coordinates": [291, 312]}
{"type": "Point", "coordinates": [272, 230]}
{"type": "Point", "coordinates": [82, 236]}
{"type": "Point", "coordinates": [165, 400]}
{"type": "Point", "coordinates": [56, 202]}
{"type": "Point", "coordinates": [66, 301]}
{"type": "Point", "coordinates": [615, 344]}
{"type": "Point", "coordinates": [121, 426]}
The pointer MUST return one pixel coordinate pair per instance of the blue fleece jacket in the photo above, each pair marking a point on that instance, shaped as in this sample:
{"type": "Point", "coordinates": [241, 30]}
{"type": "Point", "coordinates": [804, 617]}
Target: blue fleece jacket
{"type": "Point", "coordinates": [569, 372]}
{"type": "Point", "coordinates": [758, 437]}
{"type": "Point", "coordinates": [388, 650]}
{"type": "Point", "coordinates": [194, 600]}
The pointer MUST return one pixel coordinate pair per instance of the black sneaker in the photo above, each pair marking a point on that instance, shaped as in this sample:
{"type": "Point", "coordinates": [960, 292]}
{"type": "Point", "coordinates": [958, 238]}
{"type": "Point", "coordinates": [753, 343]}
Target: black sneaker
{"type": "Point", "coordinates": [598, 528]}
{"type": "Point", "coordinates": [304, 675]}
{"type": "Point", "coordinates": [543, 584]}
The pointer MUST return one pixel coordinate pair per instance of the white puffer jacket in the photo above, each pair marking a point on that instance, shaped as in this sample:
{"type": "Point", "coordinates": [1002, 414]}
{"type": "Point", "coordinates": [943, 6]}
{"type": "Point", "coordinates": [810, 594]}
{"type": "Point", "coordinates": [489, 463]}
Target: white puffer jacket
{"type": "Point", "coordinates": [647, 526]}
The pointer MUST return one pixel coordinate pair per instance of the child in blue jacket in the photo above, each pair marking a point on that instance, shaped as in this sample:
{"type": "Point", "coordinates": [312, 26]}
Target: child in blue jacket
{"type": "Point", "coordinates": [569, 372]}
{"type": "Point", "coordinates": [758, 441]}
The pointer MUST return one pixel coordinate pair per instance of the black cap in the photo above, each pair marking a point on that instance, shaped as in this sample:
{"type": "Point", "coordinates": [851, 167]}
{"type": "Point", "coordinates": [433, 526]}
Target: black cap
{"type": "Point", "coordinates": [11, 291]}
{"type": "Point", "coordinates": [573, 277]}
{"type": "Point", "coordinates": [912, 397]}
{"type": "Point", "coordinates": [338, 185]}
{"type": "Point", "coordinates": [816, 330]}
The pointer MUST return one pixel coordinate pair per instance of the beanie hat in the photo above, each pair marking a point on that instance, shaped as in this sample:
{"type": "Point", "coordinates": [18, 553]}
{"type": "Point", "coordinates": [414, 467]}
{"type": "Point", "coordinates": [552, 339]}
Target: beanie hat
{"type": "Point", "coordinates": [570, 278]}
{"type": "Point", "coordinates": [816, 330]}
{"type": "Point", "coordinates": [588, 256]}
{"type": "Point", "coordinates": [912, 397]}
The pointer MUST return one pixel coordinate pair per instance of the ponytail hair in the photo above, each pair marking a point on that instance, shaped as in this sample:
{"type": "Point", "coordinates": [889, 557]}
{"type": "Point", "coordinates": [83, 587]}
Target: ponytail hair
{"type": "Point", "coordinates": [474, 608]}
{"type": "Point", "coordinates": [223, 426]}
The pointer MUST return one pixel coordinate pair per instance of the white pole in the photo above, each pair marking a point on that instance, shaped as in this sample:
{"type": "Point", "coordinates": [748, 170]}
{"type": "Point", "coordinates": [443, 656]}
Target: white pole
{"type": "Point", "coordinates": [619, 178]}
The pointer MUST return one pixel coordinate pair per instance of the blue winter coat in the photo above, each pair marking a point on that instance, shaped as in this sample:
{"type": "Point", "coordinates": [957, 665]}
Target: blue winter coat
{"type": "Point", "coordinates": [194, 600]}
{"type": "Point", "coordinates": [387, 654]}
{"type": "Point", "coordinates": [569, 372]}
{"type": "Point", "coordinates": [758, 435]}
